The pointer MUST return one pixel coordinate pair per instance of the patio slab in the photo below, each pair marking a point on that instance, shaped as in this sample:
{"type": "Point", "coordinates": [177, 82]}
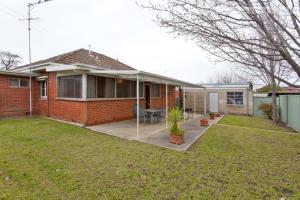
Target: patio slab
{"type": "Point", "coordinates": [156, 134]}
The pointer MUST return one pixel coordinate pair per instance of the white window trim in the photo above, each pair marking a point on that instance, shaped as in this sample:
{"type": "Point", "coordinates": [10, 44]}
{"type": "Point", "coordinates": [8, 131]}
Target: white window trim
{"type": "Point", "coordinates": [19, 83]}
{"type": "Point", "coordinates": [46, 89]}
{"type": "Point", "coordinates": [234, 104]}
{"type": "Point", "coordinates": [69, 98]}
{"type": "Point", "coordinates": [84, 91]}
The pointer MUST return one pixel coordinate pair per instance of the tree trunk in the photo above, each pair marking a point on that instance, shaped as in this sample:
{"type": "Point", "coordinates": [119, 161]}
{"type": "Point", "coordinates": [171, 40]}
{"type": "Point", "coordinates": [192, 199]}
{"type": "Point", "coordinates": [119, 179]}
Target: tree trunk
{"type": "Point", "coordinates": [274, 103]}
{"type": "Point", "coordinates": [273, 85]}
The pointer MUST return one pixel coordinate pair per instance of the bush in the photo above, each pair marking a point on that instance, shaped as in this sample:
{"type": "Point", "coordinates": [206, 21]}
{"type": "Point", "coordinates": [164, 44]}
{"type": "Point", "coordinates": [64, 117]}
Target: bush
{"type": "Point", "coordinates": [266, 108]}
{"type": "Point", "coordinates": [175, 115]}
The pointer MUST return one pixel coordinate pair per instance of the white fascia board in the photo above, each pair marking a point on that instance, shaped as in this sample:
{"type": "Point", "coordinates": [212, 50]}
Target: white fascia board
{"type": "Point", "coordinates": [114, 72]}
{"type": "Point", "coordinates": [14, 73]}
{"type": "Point", "coordinates": [35, 67]}
{"type": "Point", "coordinates": [229, 88]}
{"type": "Point", "coordinates": [88, 66]}
{"type": "Point", "coordinates": [146, 76]}
{"type": "Point", "coordinates": [61, 67]}
{"type": "Point", "coordinates": [171, 80]}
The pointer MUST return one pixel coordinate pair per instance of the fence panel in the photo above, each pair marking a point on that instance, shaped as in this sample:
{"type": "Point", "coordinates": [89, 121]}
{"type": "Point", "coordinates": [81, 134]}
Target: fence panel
{"type": "Point", "coordinates": [283, 106]}
{"type": "Point", "coordinates": [289, 109]}
{"type": "Point", "coordinates": [293, 111]}
{"type": "Point", "coordinates": [256, 102]}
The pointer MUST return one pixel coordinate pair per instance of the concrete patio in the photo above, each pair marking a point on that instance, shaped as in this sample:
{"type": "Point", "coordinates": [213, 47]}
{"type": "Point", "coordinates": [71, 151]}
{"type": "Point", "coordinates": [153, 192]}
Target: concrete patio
{"type": "Point", "coordinates": [157, 133]}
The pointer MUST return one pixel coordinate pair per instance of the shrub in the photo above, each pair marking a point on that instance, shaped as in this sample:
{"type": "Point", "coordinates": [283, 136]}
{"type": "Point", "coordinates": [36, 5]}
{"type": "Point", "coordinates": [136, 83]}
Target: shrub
{"type": "Point", "coordinates": [266, 108]}
{"type": "Point", "coordinates": [175, 115]}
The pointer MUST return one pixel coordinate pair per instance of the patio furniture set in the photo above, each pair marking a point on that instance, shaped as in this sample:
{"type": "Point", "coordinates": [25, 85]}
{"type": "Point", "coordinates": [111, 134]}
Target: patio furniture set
{"type": "Point", "coordinates": [150, 115]}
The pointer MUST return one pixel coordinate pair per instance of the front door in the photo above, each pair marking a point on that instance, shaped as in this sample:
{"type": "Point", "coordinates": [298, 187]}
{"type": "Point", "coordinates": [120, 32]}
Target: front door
{"type": "Point", "coordinates": [213, 102]}
{"type": "Point", "coordinates": [147, 96]}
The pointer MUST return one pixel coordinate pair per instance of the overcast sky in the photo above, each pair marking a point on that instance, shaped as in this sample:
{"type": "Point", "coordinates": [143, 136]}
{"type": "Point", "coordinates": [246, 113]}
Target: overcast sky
{"type": "Point", "coordinates": [117, 28]}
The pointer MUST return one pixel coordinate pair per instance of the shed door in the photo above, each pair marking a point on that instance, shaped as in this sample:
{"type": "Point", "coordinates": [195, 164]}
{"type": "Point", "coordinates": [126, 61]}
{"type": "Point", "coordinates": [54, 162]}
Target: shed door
{"type": "Point", "coordinates": [213, 102]}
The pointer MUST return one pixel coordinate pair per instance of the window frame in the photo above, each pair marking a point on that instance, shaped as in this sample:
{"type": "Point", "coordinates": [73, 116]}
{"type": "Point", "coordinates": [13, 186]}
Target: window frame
{"type": "Point", "coordinates": [234, 98]}
{"type": "Point", "coordinates": [69, 98]}
{"type": "Point", "coordinates": [142, 94]}
{"type": "Point", "coordinates": [59, 75]}
{"type": "Point", "coordinates": [159, 90]}
{"type": "Point", "coordinates": [45, 89]}
{"type": "Point", "coordinates": [19, 83]}
{"type": "Point", "coordinates": [96, 88]}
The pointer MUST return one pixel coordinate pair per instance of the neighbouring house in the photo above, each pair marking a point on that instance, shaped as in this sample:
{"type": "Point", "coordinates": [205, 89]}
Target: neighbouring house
{"type": "Point", "coordinates": [85, 87]}
{"type": "Point", "coordinates": [222, 98]}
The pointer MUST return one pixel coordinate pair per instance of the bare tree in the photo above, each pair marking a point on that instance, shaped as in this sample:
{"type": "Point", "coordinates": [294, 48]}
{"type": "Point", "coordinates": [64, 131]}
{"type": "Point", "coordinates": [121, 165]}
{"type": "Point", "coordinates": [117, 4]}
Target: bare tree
{"type": "Point", "coordinates": [231, 30]}
{"type": "Point", "coordinates": [9, 60]}
{"type": "Point", "coordinates": [231, 77]}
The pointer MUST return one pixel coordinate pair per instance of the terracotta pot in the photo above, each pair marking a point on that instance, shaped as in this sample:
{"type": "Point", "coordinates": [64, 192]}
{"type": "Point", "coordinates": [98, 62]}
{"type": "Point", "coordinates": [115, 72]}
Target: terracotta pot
{"type": "Point", "coordinates": [176, 139]}
{"type": "Point", "coordinates": [204, 122]}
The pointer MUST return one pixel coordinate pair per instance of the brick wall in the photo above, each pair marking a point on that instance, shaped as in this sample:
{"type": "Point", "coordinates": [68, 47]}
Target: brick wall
{"type": "Point", "coordinates": [67, 110]}
{"type": "Point", "coordinates": [105, 111]}
{"type": "Point", "coordinates": [13, 101]}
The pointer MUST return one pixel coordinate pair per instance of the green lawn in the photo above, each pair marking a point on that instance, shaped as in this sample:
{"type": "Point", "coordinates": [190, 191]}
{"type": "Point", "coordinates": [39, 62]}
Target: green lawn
{"type": "Point", "coordinates": [252, 122]}
{"type": "Point", "coordinates": [43, 159]}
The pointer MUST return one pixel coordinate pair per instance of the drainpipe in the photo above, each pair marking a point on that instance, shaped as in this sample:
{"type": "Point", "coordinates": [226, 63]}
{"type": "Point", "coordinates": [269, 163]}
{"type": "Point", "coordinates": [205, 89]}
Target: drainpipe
{"type": "Point", "coordinates": [205, 101]}
{"type": "Point", "coordinates": [167, 106]}
{"type": "Point", "coordinates": [137, 106]}
{"type": "Point", "coordinates": [183, 102]}
{"type": "Point", "coordinates": [48, 95]}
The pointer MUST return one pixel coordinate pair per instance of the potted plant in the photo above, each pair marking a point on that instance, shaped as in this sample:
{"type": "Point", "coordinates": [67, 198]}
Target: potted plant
{"type": "Point", "coordinates": [176, 134]}
{"type": "Point", "coordinates": [212, 115]}
{"type": "Point", "coordinates": [204, 122]}
{"type": "Point", "coordinates": [218, 115]}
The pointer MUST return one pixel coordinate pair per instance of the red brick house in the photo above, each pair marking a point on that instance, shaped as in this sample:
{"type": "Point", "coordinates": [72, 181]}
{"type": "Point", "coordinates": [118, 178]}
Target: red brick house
{"type": "Point", "coordinates": [83, 87]}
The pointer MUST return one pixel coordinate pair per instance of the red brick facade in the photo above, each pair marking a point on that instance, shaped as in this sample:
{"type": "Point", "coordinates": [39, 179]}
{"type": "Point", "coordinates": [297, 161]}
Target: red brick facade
{"type": "Point", "coordinates": [15, 102]}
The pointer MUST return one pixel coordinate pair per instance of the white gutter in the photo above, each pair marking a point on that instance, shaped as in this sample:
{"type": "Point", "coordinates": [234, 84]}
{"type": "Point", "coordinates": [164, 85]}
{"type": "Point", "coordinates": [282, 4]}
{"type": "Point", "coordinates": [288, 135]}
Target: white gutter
{"type": "Point", "coordinates": [13, 73]}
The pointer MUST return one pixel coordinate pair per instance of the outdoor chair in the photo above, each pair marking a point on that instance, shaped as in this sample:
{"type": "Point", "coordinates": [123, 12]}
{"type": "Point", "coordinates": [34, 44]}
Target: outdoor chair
{"type": "Point", "coordinates": [143, 116]}
{"type": "Point", "coordinates": [159, 116]}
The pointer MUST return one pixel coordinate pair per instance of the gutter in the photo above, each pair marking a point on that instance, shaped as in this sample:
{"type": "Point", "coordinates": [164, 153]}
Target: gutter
{"type": "Point", "coordinates": [13, 73]}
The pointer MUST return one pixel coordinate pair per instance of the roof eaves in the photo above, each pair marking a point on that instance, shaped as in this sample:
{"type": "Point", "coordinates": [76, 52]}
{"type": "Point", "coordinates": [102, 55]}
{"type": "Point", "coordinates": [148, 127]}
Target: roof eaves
{"type": "Point", "coordinates": [13, 73]}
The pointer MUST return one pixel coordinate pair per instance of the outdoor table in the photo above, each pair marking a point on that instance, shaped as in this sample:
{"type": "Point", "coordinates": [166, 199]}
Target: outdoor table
{"type": "Point", "coordinates": [152, 112]}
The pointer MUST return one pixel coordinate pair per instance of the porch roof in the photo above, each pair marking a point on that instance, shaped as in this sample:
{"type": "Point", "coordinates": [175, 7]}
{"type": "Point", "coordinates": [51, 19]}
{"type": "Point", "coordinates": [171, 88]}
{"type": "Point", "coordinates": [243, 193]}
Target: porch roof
{"type": "Point", "coordinates": [144, 76]}
{"type": "Point", "coordinates": [93, 70]}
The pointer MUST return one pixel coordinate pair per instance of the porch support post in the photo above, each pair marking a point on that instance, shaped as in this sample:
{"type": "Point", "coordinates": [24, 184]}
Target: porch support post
{"type": "Point", "coordinates": [137, 107]}
{"type": "Point", "coordinates": [194, 103]}
{"type": "Point", "coordinates": [183, 102]}
{"type": "Point", "coordinates": [84, 86]}
{"type": "Point", "coordinates": [167, 106]}
{"type": "Point", "coordinates": [204, 101]}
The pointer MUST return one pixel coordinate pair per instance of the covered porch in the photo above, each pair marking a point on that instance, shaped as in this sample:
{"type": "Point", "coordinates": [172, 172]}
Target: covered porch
{"type": "Point", "coordinates": [154, 132]}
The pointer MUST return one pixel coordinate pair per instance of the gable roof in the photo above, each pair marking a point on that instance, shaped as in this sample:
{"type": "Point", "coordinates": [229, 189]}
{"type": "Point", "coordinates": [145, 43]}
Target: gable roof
{"type": "Point", "coordinates": [86, 57]}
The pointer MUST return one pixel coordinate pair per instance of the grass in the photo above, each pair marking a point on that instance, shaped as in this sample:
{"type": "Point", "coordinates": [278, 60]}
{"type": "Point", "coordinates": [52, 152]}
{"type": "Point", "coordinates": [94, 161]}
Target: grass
{"type": "Point", "coordinates": [43, 159]}
{"type": "Point", "coordinates": [252, 122]}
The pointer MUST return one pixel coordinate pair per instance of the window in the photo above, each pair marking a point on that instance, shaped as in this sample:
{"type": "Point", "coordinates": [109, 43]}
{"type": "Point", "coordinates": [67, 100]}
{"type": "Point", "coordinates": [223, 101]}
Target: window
{"type": "Point", "coordinates": [43, 89]}
{"type": "Point", "coordinates": [16, 82]}
{"type": "Point", "coordinates": [235, 98]}
{"type": "Point", "coordinates": [101, 87]}
{"type": "Point", "coordinates": [155, 90]}
{"type": "Point", "coordinates": [70, 86]}
{"type": "Point", "coordinates": [127, 89]}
